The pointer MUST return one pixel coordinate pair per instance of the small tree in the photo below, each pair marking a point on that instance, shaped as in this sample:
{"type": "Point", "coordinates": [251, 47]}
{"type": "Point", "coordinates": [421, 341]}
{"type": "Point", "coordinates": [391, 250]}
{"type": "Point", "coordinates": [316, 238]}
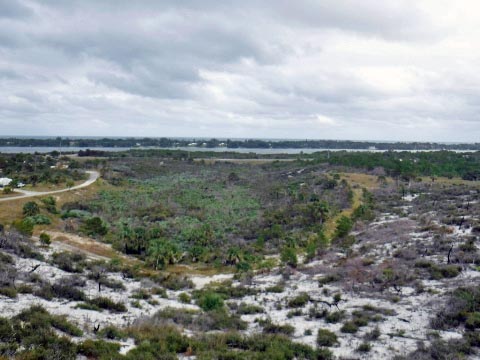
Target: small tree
{"type": "Point", "coordinates": [289, 256]}
{"type": "Point", "coordinates": [50, 204]}
{"type": "Point", "coordinates": [162, 252]}
{"type": "Point", "coordinates": [344, 225]}
{"type": "Point", "coordinates": [45, 239]}
{"type": "Point", "coordinates": [210, 301]}
{"type": "Point", "coordinates": [95, 226]}
{"type": "Point", "coordinates": [31, 209]}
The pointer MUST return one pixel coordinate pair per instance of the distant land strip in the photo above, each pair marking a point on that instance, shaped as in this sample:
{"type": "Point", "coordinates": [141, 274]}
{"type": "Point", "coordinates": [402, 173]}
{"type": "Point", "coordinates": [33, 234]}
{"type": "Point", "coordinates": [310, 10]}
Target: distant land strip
{"type": "Point", "coordinates": [163, 142]}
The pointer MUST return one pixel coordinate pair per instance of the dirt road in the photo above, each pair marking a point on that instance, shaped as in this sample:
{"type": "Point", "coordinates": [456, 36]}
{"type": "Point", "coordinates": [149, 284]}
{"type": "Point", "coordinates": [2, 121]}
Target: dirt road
{"type": "Point", "coordinates": [93, 176]}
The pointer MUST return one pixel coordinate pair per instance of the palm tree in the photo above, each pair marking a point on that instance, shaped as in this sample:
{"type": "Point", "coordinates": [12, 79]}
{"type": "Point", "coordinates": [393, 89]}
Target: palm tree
{"type": "Point", "coordinates": [163, 252]}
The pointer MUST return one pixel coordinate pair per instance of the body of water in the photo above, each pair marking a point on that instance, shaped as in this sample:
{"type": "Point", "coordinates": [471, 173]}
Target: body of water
{"type": "Point", "coordinates": [32, 149]}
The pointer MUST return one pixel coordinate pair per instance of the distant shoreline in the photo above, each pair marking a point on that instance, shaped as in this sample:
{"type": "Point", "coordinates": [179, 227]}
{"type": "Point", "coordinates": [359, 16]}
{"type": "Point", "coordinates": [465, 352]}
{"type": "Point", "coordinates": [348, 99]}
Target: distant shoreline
{"type": "Point", "coordinates": [246, 145]}
{"type": "Point", "coordinates": [286, 151]}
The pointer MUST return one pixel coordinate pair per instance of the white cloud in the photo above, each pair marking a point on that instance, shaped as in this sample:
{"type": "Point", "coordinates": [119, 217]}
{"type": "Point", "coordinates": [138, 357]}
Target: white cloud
{"type": "Point", "coordinates": [396, 69]}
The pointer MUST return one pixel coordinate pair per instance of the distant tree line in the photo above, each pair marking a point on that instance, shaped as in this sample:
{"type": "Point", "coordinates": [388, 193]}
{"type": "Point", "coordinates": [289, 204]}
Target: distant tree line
{"type": "Point", "coordinates": [232, 144]}
{"type": "Point", "coordinates": [409, 165]}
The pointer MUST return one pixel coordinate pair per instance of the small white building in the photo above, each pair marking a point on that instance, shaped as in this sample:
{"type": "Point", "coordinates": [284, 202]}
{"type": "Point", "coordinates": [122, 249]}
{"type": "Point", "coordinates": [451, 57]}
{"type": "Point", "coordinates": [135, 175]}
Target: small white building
{"type": "Point", "coordinates": [5, 182]}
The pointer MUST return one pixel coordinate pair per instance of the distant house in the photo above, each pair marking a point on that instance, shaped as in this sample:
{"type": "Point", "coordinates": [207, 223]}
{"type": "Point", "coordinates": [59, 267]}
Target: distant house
{"type": "Point", "coordinates": [5, 182]}
{"type": "Point", "coordinates": [59, 165]}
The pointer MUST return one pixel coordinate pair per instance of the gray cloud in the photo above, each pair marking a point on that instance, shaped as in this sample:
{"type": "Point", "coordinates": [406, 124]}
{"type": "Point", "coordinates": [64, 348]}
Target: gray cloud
{"type": "Point", "coordinates": [330, 69]}
{"type": "Point", "coordinates": [13, 9]}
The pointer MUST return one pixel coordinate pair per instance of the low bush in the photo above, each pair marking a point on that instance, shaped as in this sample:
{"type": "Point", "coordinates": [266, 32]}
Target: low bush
{"type": "Point", "coordinates": [45, 239]}
{"type": "Point", "coordinates": [70, 262]}
{"type": "Point", "coordinates": [107, 304]}
{"type": "Point", "coordinates": [299, 300]}
{"type": "Point", "coordinates": [335, 316]}
{"type": "Point", "coordinates": [278, 288]}
{"type": "Point", "coordinates": [112, 333]}
{"type": "Point", "coordinates": [39, 219]}
{"type": "Point", "coordinates": [141, 295]}
{"type": "Point", "coordinates": [326, 338]}
{"type": "Point", "coordinates": [210, 301]}
{"type": "Point", "coordinates": [184, 298]}
{"type": "Point", "coordinates": [349, 327]}
{"type": "Point", "coordinates": [100, 349]}
{"type": "Point", "coordinates": [248, 309]}
{"type": "Point", "coordinates": [364, 347]}
{"type": "Point", "coordinates": [270, 328]}
{"type": "Point", "coordinates": [10, 292]}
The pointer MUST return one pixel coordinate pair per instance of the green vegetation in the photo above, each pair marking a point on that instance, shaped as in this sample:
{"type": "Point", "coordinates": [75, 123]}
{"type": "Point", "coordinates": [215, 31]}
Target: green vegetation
{"type": "Point", "coordinates": [36, 169]}
{"type": "Point", "coordinates": [326, 338]}
{"type": "Point", "coordinates": [219, 214]}
{"type": "Point", "coordinates": [210, 301]}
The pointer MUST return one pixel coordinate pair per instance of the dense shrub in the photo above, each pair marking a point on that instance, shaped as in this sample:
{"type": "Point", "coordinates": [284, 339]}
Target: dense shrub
{"type": "Point", "coordinates": [210, 301]}
{"type": "Point", "coordinates": [248, 309]}
{"type": "Point", "coordinates": [45, 239]}
{"type": "Point", "coordinates": [326, 338]}
{"type": "Point", "coordinates": [107, 304]}
{"type": "Point", "coordinates": [94, 226]}
{"type": "Point", "coordinates": [39, 219]}
{"type": "Point", "coordinates": [70, 262]}
{"type": "Point", "coordinates": [271, 328]}
{"type": "Point", "coordinates": [31, 208]}
{"type": "Point", "coordinates": [100, 349]}
{"type": "Point", "coordinates": [349, 327]}
{"type": "Point", "coordinates": [299, 301]}
{"type": "Point", "coordinates": [289, 256]}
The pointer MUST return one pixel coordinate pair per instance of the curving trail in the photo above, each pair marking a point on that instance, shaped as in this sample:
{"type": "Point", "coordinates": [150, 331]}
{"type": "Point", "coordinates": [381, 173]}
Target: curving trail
{"type": "Point", "coordinates": [93, 176]}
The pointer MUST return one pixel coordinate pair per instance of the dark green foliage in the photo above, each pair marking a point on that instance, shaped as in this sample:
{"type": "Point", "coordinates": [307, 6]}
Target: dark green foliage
{"type": "Point", "coordinates": [70, 262]}
{"type": "Point", "coordinates": [210, 301]}
{"type": "Point", "coordinates": [24, 227]}
{"type": "Point", "coordinates": [38, 219]}
{"type": "Point", "coordinates": [247, 309]}
{"type": "Point", "coordinates": [438, 272]}
{"type": "Point", "coordinates": [45, 239]}
{"type": "Point", "coordinates": [141, 294]}
{"type": "Point", "coordinates": [344, 225]}
{"type": "Point", "coordinates": [112, 333]}
{"type": "Point", "coordinates": [279, 288]}
{"type": "Point", "coordinates": [349, 327]}
{"type": "Point", "coordinates": [335, 316]}
{"type": "Point", "coordinates": [94, 226]}
{"type": "Point", "coordinates": [299, 301]}
{"type": "Point", "coordinates": [184, 298]}
{"type": "Point", "coordinates": [37, 317]}
{"type": "Point", "coordinates": [31, 208]}
{"type": "Point", "coordinates": [50, 204]}
{"type": "Point", "coordinates": [326, 338]}
{"type": "Point", "coordinates": [10, 292]}
{"type": "Point", "coordinates": [364, 347]}
{"type": "Point", "coordinates": [445, 271]}
{"type": "Point", "coordinates": [327, 279]}
{"type": "Point", "coordinates": [67, 291]}
{"type": "Point", "coordinates": [473, 321]}
{"type": "Point", "coordinates": [162, 252]}
{"type": "Point", "coordinates": [100, 349]}
{"type": "Point", "coordinates": [289, 256]}
{"type": "Point", "coordinates": [270, 328]}
{"type": "Point", "coordinates": [107, 304]}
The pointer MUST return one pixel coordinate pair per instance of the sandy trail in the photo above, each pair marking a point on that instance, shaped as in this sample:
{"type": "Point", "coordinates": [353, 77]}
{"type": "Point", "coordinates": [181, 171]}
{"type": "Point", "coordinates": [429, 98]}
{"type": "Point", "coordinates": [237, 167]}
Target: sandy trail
{"type": "Point", "coordinates": [93, 176]}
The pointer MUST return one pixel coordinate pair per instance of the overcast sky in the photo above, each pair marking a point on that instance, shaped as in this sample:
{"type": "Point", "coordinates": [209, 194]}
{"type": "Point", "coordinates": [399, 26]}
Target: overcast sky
{"type": "Point", "coordinates": [327, 69]}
